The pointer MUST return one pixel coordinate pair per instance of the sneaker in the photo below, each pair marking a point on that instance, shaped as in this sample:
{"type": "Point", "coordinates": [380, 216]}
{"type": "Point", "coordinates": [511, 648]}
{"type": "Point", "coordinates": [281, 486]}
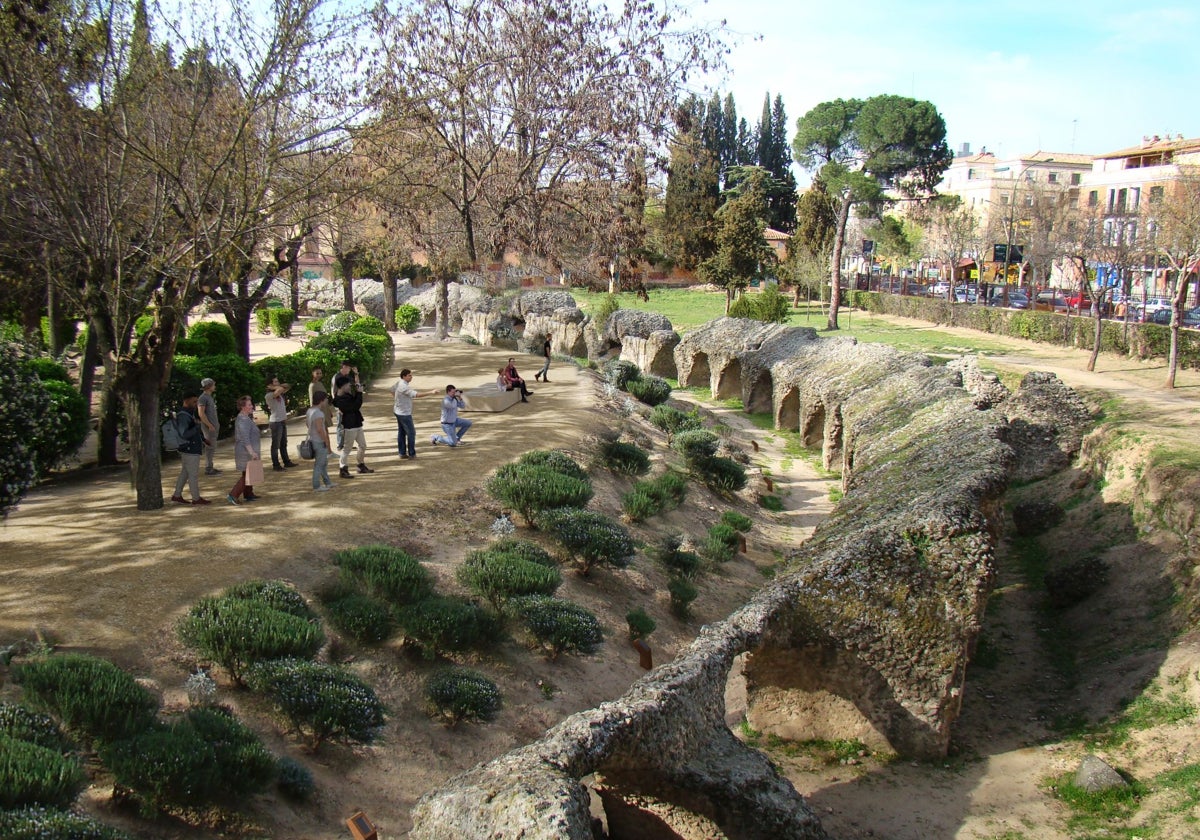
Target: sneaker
{"type": "Point", "coordinates": [289, 464]}
{"type": "Point", "coordinates": [201, 501]}
{"type": "Point", "coordinates": [403, 457]}
{"type": "Point", "coordinates": [251, 498]}
{"type": "Point", "coordinates": [412, 457]}
{"type": "Point", "coordinates": [364, 469]}
{"type": "Point", "coordinates": [213, 471]}
{"type": "Point", "coordinates": [434, 440]}
{"type": "Point", "coordinates": [232, 500]}
{"type": "Point", "coordinates": [323, 488]}
{"type": "Point", "coordinates": [179, 500]}
{"type": "Point", "coordinates": [277, 468]}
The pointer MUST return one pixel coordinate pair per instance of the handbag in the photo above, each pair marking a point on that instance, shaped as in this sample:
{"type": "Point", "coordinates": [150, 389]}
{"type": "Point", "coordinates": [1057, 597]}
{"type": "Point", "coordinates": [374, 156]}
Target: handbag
{"type": "Point", "coordinates": [254, 472]}
{"type": "Point", "coordinates": [306, 450]}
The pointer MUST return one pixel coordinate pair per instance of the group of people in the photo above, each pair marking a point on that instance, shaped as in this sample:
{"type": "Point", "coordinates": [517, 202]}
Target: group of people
{"type": "Point", "coordinates": [198, 425]}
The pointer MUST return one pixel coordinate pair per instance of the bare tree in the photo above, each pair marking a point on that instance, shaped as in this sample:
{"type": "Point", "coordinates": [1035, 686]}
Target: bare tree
{"type": "Point", "coordinates": [1174, 232]}
{"type": "Point", "coordinates": [499, 111]}
{"type": "Point", "coordinates": [154, 172]}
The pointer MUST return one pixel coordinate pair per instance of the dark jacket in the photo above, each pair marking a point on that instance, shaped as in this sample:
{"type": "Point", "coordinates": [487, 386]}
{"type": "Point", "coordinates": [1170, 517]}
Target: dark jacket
{"type": "Point", "coordinates": [350, 405]}
{"type": "Point", "coordinates": [190, 432]}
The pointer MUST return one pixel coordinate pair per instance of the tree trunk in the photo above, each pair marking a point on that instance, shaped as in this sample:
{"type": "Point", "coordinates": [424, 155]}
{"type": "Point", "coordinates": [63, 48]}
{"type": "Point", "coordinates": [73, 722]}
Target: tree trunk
{"type": "Point", "coordinates": [110, 407]}
{"type": "Point", "coordinates": [835, 262]}
{"type": "Point", "coordinates": [441, 307]}
{"type": "Point", "coordinates": [294, 277]}
{"type": "Point", "coordinates": [87, 368]}
{"type": "Point", "coordinates": [1099, 329]}
{"type": "Point", "coordinates": [389, 301]}
{"type": "Point", "coordinates": [347, 292]}
{"type": "Point", "coordinates": [238, 313]}
{"type": "Point", "coordinates": [142, 414]}
{"type": "Point", "coordinates": [1173, 351]}
{"type": "Point", "coordinates": [52, 315]}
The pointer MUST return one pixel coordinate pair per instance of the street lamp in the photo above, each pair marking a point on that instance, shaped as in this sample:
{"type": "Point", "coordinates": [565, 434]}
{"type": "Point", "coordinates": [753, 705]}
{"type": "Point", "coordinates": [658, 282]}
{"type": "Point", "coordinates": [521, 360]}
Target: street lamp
{"type": "Point", "coordinates": [1012, 210]}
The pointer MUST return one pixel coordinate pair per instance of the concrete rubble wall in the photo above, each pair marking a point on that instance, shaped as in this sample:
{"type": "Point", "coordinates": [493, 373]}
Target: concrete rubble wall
{"type": "Point", "coordinates": [867, 633]}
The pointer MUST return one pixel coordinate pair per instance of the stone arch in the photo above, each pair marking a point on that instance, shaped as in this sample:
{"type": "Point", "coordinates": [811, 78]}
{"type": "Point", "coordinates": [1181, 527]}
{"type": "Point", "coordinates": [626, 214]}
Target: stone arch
{"type": "Point", "coordinates": [762, 394]}
{"type": "Point", "coordinates": [831, 453]}
{"type": "Point", "coordinates": [729, 381]}
{"type": "Point", "coordinates": [698, 374]}
{"type": "Point", "coordinates": [788, 414]}
{"type": "Point", "coordinates": [812, 424]}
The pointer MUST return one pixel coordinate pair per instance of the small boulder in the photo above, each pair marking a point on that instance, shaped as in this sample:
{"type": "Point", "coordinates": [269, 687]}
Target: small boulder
{"type": "Point", "coordinates": [1095, 775]}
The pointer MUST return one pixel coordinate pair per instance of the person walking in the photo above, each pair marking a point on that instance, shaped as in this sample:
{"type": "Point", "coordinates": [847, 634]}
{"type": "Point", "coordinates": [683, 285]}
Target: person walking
{"type": "Point", "coordinates": [543, 375]}
{"type": "Point", "coordinates": [318, 435]}
{"type": "Point", "coordinates": [191, 435]}
{"type": "Point", "coordinates": [347, 373]}
{"type": "Point", "coordinates": [349, 402]}
{"type": "Point", "coordinates": [406, 430]}
{"type": "Point", "coordinates": [277, 419]}
{"type": "Point", "coordinates": [247, 444]}
{"type": "Point", "coordinates": [453, 426]}
{"type": "Point", "coordinates": [210, 423]}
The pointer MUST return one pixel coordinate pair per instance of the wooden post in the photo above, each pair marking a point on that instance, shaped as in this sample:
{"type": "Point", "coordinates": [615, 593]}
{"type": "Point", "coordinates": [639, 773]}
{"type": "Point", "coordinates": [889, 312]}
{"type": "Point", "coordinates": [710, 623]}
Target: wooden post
{"type": "Point", "coordinates": [360, 827]}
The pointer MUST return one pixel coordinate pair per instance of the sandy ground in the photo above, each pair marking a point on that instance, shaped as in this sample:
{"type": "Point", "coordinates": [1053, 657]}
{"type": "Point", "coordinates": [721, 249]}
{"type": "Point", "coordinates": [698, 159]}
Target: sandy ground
{"type": "Point", "coordinates": [80, 565]}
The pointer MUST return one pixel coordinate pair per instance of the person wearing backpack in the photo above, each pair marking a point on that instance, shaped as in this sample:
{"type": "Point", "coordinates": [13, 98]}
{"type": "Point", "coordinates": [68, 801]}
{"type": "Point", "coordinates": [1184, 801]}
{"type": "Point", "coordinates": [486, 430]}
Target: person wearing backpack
{"type": "Point", "coordinates": [191, 446]}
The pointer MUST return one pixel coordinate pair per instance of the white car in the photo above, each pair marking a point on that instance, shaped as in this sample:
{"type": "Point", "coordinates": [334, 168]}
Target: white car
{"type": "Point", "coordinates": [1148, 309]}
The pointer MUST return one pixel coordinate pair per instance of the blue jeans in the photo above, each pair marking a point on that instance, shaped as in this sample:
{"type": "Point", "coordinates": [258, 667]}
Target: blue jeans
{"type": "Point", "coordinates": [406, 435]}
{"type": "Point", "coordinates": [545, 369]}
{"type": "Point", "coordinates": [452, 433]}
{"type": "Point", "coordinates": [320, 464]}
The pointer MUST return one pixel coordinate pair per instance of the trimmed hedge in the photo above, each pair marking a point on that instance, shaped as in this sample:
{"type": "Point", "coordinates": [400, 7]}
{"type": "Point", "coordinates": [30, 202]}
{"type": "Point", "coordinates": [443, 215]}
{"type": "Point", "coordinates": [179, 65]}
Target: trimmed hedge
{"type": "Point", "coordinates": [721, 474]}
{"type": "Point", "coordinates": [34, 775]}
{"type": "Point", "coordinates": [560, 462]}
{"type": "Point", "coordinates": [216, 336]}
{"type": "Point", "coordinates": [678, 563]}
{"type": "Point", "coordinates": [640, 623]}
{"type": "Point", "coordinates": [696, 444]}
{"type": "Point", "coordinates": [275, 594]}
{"type": "Point", "coordinates": [623, 458]}
{"type": "Point", "coordinates": [672, 421]}
{"type": "Point", "coordinates": [63, 428]}
{"type": "Point", "coordinates": [504, 571]}
{"type": "Point", "coordinates": [233, 376]}
{"type": "Point", "coordinates": [408, 318]}
{"type": "Point", "coordinates": [90, 696]}
{"type": "Point", "coordinates": [361, 617]}
{"type": "Point", "coordinates": [25, 724]}
{"type": "Point", "coordinates": [620, 373]}
{"type": "Point", "coordinates": [236, 633]}
{"type": "Point", "coordinates": [588, 537]}
{"type": "Point", "coordinates": [462, 694]}
{"type": "Point", "coordinates": [275, 320]}
{"type": "Point", "coordinates": [559, 625]}
{"type": "Point", "coordinates": [737, 521]}
{"type": "Point", "coordinates": [52, 824]}
{"type": "Point", "coordinates": [324, 702]}
{"type": "Point", "coordinates": [444, 624]}
{"type": "Point", "coordinates": [385, 572]}
{"type": "Point", "coordinates": [295, 781]}
{"type": "Point", "coordinates": [203, 758]}
{"type": "Point", "coordinates": [652, 390]}
{"type": "Point", "coordinates": [682, 592]}
{"type": "Point", "coordinates": [648, 498]}
{"type": "Point", "coordinates": [530, 488]}
{"type": "Point", "coordinates": [295, 369]}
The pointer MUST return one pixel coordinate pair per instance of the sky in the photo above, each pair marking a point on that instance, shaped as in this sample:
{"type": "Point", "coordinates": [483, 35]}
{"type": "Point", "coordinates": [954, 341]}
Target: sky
{"type": "Point", "coordinates": [1014, 77]}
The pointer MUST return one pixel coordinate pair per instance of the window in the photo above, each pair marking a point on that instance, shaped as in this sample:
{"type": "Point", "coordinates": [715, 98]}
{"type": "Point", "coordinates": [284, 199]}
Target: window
{"type": "Point", "coordinates": [1093, 198]}
{"type": "Point", "coordinates": [1076, 179]}
{"type": "Point", "coordinates": [1156, 195]}
{"type": "Point", "coordinates": [1004, 198]}
{"type": "Point", "coordinates": [1052, 177]}
{"type": "Point", "coordinates": [1135, 199]}
{"type": "Point", "coordinates": [970, 174]}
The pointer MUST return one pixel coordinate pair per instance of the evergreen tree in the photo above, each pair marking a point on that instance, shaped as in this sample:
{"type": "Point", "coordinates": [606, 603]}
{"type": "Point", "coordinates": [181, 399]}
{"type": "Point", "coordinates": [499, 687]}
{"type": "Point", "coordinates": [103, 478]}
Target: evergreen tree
{"type": "Point", "coordinates": [729, 135]}
{"type": "Point", "coordinates": [742, 250]}
{"type": "Point", "coordinates": [693, 190]}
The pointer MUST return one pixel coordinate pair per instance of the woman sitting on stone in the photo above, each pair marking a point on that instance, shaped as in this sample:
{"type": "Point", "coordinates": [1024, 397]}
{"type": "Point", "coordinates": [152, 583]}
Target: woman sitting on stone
{"type": "Point", "coordinates": [515, 380]}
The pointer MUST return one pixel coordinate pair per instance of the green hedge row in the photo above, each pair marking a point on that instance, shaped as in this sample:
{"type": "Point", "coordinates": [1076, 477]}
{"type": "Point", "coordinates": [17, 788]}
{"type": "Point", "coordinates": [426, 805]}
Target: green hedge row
{"type": "Point", "coordinates": [1144, 341]}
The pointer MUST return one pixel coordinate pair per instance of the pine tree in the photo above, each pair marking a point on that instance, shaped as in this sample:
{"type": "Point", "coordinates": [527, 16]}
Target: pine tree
{"type": "Point", "coordinates": [693, 190]}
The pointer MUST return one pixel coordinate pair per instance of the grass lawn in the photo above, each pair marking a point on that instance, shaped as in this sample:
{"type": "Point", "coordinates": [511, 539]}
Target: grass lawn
{"type": "Point", "coordinates": [687, 309]}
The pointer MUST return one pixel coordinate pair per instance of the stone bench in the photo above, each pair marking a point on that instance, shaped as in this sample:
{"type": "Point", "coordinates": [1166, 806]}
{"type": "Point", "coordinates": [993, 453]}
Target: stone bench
{"type": "Point", "coordinates": [490, 398]}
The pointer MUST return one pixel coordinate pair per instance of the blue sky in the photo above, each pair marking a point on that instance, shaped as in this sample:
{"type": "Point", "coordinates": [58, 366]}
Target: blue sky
{"type": "Point", "coordinates": [1016, 77]}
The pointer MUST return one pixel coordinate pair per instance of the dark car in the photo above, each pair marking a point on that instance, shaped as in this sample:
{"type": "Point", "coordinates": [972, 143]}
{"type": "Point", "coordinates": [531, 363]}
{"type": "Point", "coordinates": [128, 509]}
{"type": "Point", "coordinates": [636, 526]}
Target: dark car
{"type": "Point", "coordinates": [1018, 300]}
{"type": "Point", "coordinates": [1191, 317]}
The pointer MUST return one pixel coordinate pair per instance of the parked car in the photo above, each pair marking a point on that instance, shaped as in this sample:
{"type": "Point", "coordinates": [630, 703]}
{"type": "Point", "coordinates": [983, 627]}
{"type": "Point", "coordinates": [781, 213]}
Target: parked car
{"type": "Point", "coordinates": [966, 294]}
{"type": "Point", "coordinates": [1191, 317]}
{"type": "Point", "coordinates": [939, 289]}
{"type": "Point", "coordinates": [1147, 309]}
{"type": "Point", "coordinates": [1018, 300]}
{"type": "Point", "coordinates": [1050, 302]}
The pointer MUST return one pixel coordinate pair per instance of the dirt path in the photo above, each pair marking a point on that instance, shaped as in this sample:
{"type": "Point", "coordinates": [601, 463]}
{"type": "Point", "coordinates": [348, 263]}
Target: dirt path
{"type": "Point", "coordinates": [78, 560]}
{"type": "Point", "coordinates": [1138, 382]}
